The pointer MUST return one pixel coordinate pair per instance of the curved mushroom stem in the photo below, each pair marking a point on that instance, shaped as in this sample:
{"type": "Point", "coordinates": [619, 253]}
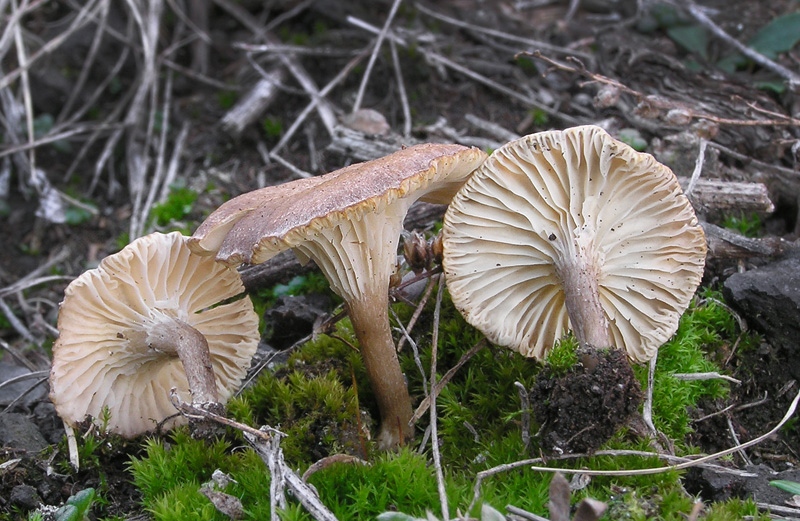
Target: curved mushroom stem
{"type": "Point", "coordinates": [176, 337]}
{"type": "Point", "coordinates": [370, 319]}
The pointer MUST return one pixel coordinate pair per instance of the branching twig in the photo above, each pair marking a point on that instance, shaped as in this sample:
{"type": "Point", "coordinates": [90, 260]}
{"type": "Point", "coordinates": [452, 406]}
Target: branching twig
{"type": "Point", "coordinates": [376, 49]}
{"type": "Point", "coordinates": [447, 377]}
{"type": "Point", "coordinates": [266, 442]}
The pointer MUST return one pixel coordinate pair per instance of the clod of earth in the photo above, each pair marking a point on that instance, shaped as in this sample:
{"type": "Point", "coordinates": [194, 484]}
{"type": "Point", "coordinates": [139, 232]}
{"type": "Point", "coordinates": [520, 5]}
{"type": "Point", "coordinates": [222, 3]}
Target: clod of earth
{"type": "Point", "coordinates": [573, 230]}
{"type": "Point", "coordinates": [144, 321]}
{"type": "Point", "coordinates": [580, 411]}
{"type": "Point", "coordinates": [349, 222]}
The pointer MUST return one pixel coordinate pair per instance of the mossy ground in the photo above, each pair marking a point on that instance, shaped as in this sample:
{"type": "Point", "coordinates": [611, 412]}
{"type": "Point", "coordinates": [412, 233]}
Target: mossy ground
{"type": "Point", "coordinates": [322, 401]}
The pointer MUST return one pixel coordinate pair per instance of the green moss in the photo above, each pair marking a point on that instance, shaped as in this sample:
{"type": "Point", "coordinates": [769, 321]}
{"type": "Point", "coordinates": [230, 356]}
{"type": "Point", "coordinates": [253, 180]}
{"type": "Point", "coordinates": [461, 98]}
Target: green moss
{"type": "Point", "coordinates": [312, 400]}
{"type": "Point", "coordinates": [318, 397]}
{"type": "Point", "coordinates": [176, 463]}
{"type": "Point", "coordinates": [563, 356]}
{"type": "Point", "coordinates": [178, 205]}
{"type": "Point", "coordinates": [749, 225]}
{"type": "Point", "coordinates": [402, 481]}
{"type": "Point", "coordinates": [706, 331]}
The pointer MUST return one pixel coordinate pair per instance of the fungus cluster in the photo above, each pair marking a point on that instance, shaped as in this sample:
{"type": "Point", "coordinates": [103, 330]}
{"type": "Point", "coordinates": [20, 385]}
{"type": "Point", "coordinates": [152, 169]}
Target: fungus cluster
{"type": "Point", "coordinates": [554, 231]}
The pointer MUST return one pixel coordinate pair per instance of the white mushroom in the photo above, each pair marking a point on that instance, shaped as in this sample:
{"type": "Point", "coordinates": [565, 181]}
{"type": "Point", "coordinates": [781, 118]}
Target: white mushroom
{"type": "Point", "coordinates": [573, 230]}
{"type": "Point", "coordinates": [144, 321]}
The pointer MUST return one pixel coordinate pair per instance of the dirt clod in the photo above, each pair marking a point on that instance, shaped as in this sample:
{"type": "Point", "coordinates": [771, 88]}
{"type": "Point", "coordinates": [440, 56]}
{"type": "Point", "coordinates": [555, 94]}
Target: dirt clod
{"type": "Point", "coordinates": [581, 410]}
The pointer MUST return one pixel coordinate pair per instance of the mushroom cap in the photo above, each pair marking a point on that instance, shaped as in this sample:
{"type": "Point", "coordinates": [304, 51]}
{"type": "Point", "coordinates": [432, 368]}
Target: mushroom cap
{"type": "Point", "coordinates": [101, 358]}
{"type": "Point", "coordinates": [343, 220]}
{"type": "Point", "coordinates": [535, 202]}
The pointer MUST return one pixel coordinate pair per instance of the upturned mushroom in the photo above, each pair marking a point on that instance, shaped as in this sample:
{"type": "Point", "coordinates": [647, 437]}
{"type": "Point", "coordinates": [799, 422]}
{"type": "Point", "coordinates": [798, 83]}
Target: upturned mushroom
{"type": "Point", "coordinates": [349, 222]}
{"type": "Point", "coordinates": [573, 230]}
{"type": "Point", "coordinates": [148, 319]}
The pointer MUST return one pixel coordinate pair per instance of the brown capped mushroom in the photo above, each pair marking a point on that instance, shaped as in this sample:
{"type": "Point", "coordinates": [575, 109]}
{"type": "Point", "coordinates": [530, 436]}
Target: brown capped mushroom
{"type": "Point", "coordinates": [349, 222]}
{"type": "Point", "coordinates": [573, 230]}
{"type": "Point", "coordinates": [144, 321]}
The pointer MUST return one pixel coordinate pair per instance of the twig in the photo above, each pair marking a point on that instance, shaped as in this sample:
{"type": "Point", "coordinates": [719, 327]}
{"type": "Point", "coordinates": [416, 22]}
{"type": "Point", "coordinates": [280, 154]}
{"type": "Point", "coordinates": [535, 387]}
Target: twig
{"type": "Point", "coordinates": [23, 377]}
{"type": "Point", "coordinates": [714, 375]}
{"type": "Point", "coordinates": [524, 514]}
{"type": "Point", "coordinates": [303, 50]}
{"type": "Point", "coordinates": [16, 324]}
{"type": "Point", "coordinates": [417, 313]}
{"type": "Point", "coordinates": [497, 131]}
{"type": "Point", "coordinates": [735, 438]}
{"type": "Point", "coordinates": [698, 168]}
{"type": "Point", "coordinates": [468, 72]}
{"type": "Point", "coordinates": [77, 87]}
{"type": "Point", "coordinates": [266, 442]}
{"type": "Point", "coordinates": [500, 34]}
{"type": "Point", "coordinates": [500, 87]}
{"type": "Point", "coordinates": [756, 162]}
{"type": "Point", "coordinates": [253, 104]}
{"type": "Point", "coordinates": [414, 348]}
{"type": "Point", "coordinates": [633, 472]}
{"type": "Point", "coordinates": [446, 378]}
{"type": "Point", "coordinates": [174, 162]}
{"type": "Point", "coordinates": [647, 409]}
{"type": "Point", "coordinates": [437, 459]}
{"type": "Point", "coordinates": [159, 173]}
{"type": "Point", "coordinates": [84, 16]}
{"type": "Point", "coordinates": [26, 392]}
{"type": "Point", "coordinates": [401, 89]}
{"type": "Point", "coordinates": [316, 99]}
{"type": "Point", "coordinates": [17, 355]}
{"type": "Point", "coordinates": [780, 509]}
{"type": "Point", "coordinates": [698, 14]}
{"type": "Point", "coordinates": [376, 49]}
{"type": "Point", "coordinates": [525, 407]}
{"type": "Point", "coordinates": [298, 172]}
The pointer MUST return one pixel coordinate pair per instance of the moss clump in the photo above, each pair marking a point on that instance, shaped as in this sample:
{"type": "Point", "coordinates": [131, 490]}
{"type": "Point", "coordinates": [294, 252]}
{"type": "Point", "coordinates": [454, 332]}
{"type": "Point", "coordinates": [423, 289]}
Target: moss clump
{"type": "Point", "coordinates": [705, 334]}
{"type": "Point", "coordinates": [320, 396]}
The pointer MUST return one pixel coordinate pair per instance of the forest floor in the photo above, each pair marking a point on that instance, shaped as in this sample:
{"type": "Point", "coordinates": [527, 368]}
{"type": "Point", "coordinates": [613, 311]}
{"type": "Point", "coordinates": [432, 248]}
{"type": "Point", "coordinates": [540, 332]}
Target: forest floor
{"type": "Point", "coordinates": [123, 118]}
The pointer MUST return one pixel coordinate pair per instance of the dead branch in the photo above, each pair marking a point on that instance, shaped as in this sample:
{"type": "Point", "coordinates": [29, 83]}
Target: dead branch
{"type": "Point", "coordinates": [254, 103]}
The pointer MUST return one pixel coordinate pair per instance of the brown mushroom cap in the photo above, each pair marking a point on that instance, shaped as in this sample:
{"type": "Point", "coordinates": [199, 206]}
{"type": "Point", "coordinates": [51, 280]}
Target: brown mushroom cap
{"type": "Point", "coordinates": [554, 208]}
{"type": "Point", "coordinates": [102, 357]}
{"type": "Point", "coordinates": [349, 222]}
{"type": "Point", "coordinates": [255, 226]}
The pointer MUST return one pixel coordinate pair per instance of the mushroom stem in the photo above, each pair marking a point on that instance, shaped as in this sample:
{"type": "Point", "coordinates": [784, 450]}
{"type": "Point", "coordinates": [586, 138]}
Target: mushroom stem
{"type": "Point", "coordinates": [370, 319]}
{"type": "Point", "coordinates": [579, 277]}
{"type": "Point", "coordinates": [176, 337]}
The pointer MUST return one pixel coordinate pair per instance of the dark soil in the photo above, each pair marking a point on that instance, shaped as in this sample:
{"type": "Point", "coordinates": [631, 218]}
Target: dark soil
{"type": "Point", "coordinates": [652, 74]}
{"type": "Point", "coordinates": [580, 411]}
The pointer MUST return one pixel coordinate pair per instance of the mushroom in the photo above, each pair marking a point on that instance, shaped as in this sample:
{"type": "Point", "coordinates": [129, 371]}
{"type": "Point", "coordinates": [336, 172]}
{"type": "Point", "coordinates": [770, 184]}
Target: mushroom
{"type": "Point", "coordinates": [149, 318]}
{"type": "Point", "coordinates": [349, 222]}
{"type": "Point", "coordinates": [573, 230]}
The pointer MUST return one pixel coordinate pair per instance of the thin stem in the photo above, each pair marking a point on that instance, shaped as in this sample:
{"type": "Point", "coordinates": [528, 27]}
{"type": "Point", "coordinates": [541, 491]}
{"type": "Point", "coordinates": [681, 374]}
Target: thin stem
{"type": "Point", "coordinates": [370, 318]}
{"type": "Point", "coordinates": [178, 338]}
{"type": "Point", "coordinates": [582, 297]}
